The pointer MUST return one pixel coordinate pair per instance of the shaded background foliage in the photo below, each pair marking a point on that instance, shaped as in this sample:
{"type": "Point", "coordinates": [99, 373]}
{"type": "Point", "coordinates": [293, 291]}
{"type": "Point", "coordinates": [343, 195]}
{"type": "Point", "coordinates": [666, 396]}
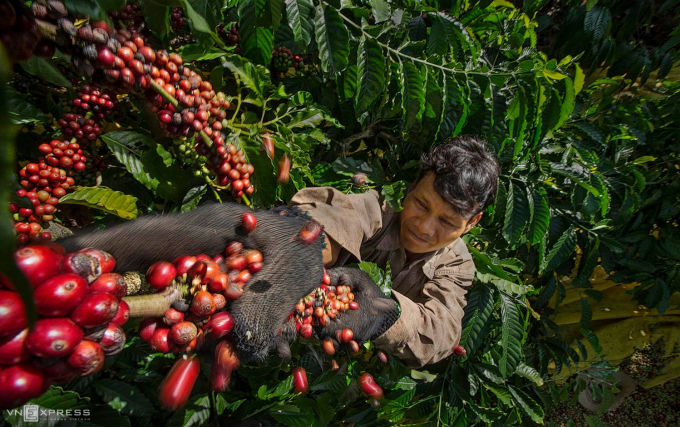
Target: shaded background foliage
{"type": "Point", "coordinates": [569, 94]}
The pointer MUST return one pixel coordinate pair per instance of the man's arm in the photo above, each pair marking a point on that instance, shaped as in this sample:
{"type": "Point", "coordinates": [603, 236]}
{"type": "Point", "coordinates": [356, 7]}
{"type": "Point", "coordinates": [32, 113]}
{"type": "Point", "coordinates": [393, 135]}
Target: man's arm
{"type": "Point", "coordinates": [427, 330]}
{"type": "Point", "coordinates": [330, 252]}
{"type": "Point", "coordinates": [348, 219]}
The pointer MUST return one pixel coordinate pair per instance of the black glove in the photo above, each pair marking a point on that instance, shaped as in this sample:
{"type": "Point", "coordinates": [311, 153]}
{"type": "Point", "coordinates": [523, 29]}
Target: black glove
{"type": "Point", "coordinates": [292, 269]}
{"type": "Point", "coordinates": [376, 314]}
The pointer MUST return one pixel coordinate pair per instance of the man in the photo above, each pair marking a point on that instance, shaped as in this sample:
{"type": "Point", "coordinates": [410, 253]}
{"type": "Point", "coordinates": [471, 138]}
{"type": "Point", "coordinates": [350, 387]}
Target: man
{"type": "Point", "coordinates": [430, 264]}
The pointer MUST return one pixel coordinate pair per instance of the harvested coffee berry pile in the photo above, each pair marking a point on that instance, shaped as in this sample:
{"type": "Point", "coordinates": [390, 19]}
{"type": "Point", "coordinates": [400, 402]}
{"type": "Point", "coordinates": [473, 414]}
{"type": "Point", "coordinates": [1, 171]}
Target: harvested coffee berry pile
{"type": "Point", "coordinates": [80, 307]}
{"type": "Point", "coordinates": [322, 306]}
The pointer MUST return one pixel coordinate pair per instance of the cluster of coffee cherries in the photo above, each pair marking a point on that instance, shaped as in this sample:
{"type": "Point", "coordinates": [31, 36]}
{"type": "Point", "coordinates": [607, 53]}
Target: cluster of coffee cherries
{"type": "Point", "coordinates": [86, 131]}
{"type": "Point", "coordinates": [92, 99]}
{"type": "Point", "coordinates": [43, 185]}
{"type": "Point", "coordinates": [322, 306]}
{"type": "Point", "coordinates": [80, 307]}
{"type": "Point", "coordinates": [209, 283]}
{"type": "Point", "coordinates": [65, 155]}
{"type": "Point", "coordinates": [283, 59]}
{"type": "Point", "coordinates": [130, 16]}
{"type": "Point", "coordinates": [231, 35]}
{"type": "Point", "coordinates": [18, 31]}
{"type": "Point", "coordinates": [177, 19]}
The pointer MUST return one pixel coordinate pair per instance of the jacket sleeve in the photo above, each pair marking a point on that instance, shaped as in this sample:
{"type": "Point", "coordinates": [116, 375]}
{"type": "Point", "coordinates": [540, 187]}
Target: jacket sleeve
{"type": "Point", "coordinates": [349, 219]}
{"type": "Point", "coordinates": [429, 327]}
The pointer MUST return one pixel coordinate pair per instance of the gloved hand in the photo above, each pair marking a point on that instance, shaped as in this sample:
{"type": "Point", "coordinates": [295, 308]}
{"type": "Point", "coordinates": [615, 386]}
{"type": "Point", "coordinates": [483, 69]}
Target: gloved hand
{"type": "Point", "coordinates": [376, 314]}
{"type": "Point", "coordinates": [292, 268]}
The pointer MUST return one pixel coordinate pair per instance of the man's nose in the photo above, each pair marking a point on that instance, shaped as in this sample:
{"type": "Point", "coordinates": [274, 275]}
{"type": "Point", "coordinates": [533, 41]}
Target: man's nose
{"type": "Point", "coordinates": [425, 225]}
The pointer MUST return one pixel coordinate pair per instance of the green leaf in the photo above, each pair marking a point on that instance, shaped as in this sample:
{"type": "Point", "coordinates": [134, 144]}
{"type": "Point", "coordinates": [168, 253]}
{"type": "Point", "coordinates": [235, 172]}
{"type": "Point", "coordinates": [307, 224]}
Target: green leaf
{"type": "Point", "coordinates": [437, 43]}
{"type": "Point", "coordinates": [127, 149]}
{"type": "Point", "coordinates": [598, 22]}
{"type": "Point", "coordinates": [105, 199]}
{"type": "Point", "coordinates": [561, 251]}
{"type": "Point", "coordinates": [196, 413]}
{"type": "Point", "coordinates": [576, 173]}
{"type": "Point", "coordinates": [197, 21]}
{"type": "Point", "coordinates": [526, 371]}
{"type": "Point", "coordinates": [291, 415]}
{"type": "Point", "coordinates": [478, 310]}
{"type": "Point", "coordinates": [332, 39]}
{"type": "Point", "coordinates": [541, 221]}
{"type": "Point", "coordinates": [501, 392]}
{"type": "Point", "coordinates": [594, 421]}
{"type": "Point", "coordinates": [45, 70]}
{"type": "Point", "coordinates": [89, 8]}
{"type": "Point", "coordinates": [370, 74]}
{"type": "Point", "coordinates": [516, 215]}
{"type": "Point", "coordinates": [417, 29]}
{"type": "Point", "coordinates": [20, 110]}
{"type": "Point", "coordinates": [381, 10]}
{"type": "Point", "coordinates": [124, 397]}
{"type": "Point", "coordinates": [593, 340]}
{"type": "Point", "coordinates": [412, 94]}
{"type": "Point", "coordinates": [579, 79]}
{"type": "Point", "coordinates": [528, 405]}
{"type": "Point", "coordinates": [298, 14]}
{"type": "Point", "coordinates": [254, 77]}
{"type": "Point", "coordinates": [512, 331]}
{"type": "Point", "coordinates": [567, 102]}
{"type": "Point", "coordinates": [393, 194]}
{"type": "Point", "coordinates": [193, 197]}
{"type": "Point", "coordinates": [257, 41]}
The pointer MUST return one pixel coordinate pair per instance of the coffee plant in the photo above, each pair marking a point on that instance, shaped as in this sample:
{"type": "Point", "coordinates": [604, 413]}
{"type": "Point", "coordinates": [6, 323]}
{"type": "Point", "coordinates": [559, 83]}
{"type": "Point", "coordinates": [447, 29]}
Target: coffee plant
{"type": "Point", "coordinates": [110, 110]}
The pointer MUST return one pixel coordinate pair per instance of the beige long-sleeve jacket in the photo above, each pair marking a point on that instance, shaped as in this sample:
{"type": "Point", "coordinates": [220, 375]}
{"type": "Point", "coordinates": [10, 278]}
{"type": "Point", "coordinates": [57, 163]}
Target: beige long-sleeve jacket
{"type": "Point", "coordinates": [431, 290]}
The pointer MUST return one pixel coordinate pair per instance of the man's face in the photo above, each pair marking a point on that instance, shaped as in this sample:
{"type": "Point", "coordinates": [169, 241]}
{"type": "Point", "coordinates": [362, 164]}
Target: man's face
{"type": "Point", "coordinates": [427, 222]}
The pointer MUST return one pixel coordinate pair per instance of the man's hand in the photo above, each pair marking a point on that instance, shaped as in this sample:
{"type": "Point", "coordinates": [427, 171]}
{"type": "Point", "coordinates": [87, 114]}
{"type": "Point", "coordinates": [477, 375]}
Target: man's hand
{"type": "Point", "coordinates": [292, 268]}
{"type": "Point", "coordinates": [376, 314]}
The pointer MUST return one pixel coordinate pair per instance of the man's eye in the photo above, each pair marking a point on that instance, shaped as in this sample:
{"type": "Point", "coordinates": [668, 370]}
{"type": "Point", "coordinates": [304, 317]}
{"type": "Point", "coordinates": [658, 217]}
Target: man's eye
{"type": "Point", "coordinates": [447, 223]}
{"type": "Point", "coordinates": [421, 203]}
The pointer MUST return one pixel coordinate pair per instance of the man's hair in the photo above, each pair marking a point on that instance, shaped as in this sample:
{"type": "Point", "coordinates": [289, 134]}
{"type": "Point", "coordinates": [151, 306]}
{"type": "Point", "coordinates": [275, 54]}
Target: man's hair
{"type": "Point", "coordinates": [466, 174]}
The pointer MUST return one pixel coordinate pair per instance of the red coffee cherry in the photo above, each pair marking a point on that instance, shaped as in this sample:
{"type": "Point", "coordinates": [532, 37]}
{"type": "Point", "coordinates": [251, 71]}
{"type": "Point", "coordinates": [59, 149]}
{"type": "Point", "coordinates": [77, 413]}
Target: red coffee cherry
{"type": "Point", "coordinates": [97, 309]}
{"type": "Point", "coordinates": [310, 232]}
{"type": "Point", "coordinates": [370, 387]}
{"type": "Point", "coordinates": [249, 222]}
{"type": "Point", "coordinates": [459, 350]}
{"type": "Point", "coordinates": [159, 341]}
{"type": "Point", "coordinates": [60, 295]}
{"type": "Point", "coordinates": [353, 346]}
{"type": "Point", "coordinates": [226, 361]}
{"type": "Point", "coordinates": [300, 384]}
{"type": "Point", "coordinates": [160, 275]}
{"type": "Point", "coordinates": [53, 337]}
{"type": "Point", "coordinates": [38, 263]}
{"type": "Point", "coordinates": [233, 248]}
{"type": "Point", "coordinates": [176, 388]}
{"type": "Point", "coordinates": [148, 326]}
{"type": "Point", "coordinates": [306, 330]}
{"type": "Point", "coordinates": [184, 263]}
{"type": "Point", "coordinates": [220, 325]}
{"type": "Point", "coordinates": [183, 333]}
{"type": "Point", "coordinates": [19, 384]}
{"type": "Point", "coordinates": [13, 350]}
{"type": "Point", "coordinates": [382, 357]}
{"type": "Point", "coordinates": [12, 314]}
{"type": "Point", "coordinates": [123, 314]}
{"type": "Point", "coordinates": [60, 372]}
{"type": "Point", "coordinates": [112, 283]}
{"type": "Point", "coordinates": [87, 358]}
{"type": "Point", "coordinates": [203, 304]}
{"type": "Point", "coordinates": [172, 317]}
{"type": "Point", "coordinates": [346, 335]}
{"type": "Point", "coordinates": [283, 175]}
{"type": "Point", "coordinates": [113, 340]}
{"type": "Point", "coordinates": [328, 347]}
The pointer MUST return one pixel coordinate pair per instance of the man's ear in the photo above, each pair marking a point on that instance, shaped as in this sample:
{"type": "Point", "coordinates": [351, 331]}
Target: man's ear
{"type": "Point", "coordinates": [473, 221]}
